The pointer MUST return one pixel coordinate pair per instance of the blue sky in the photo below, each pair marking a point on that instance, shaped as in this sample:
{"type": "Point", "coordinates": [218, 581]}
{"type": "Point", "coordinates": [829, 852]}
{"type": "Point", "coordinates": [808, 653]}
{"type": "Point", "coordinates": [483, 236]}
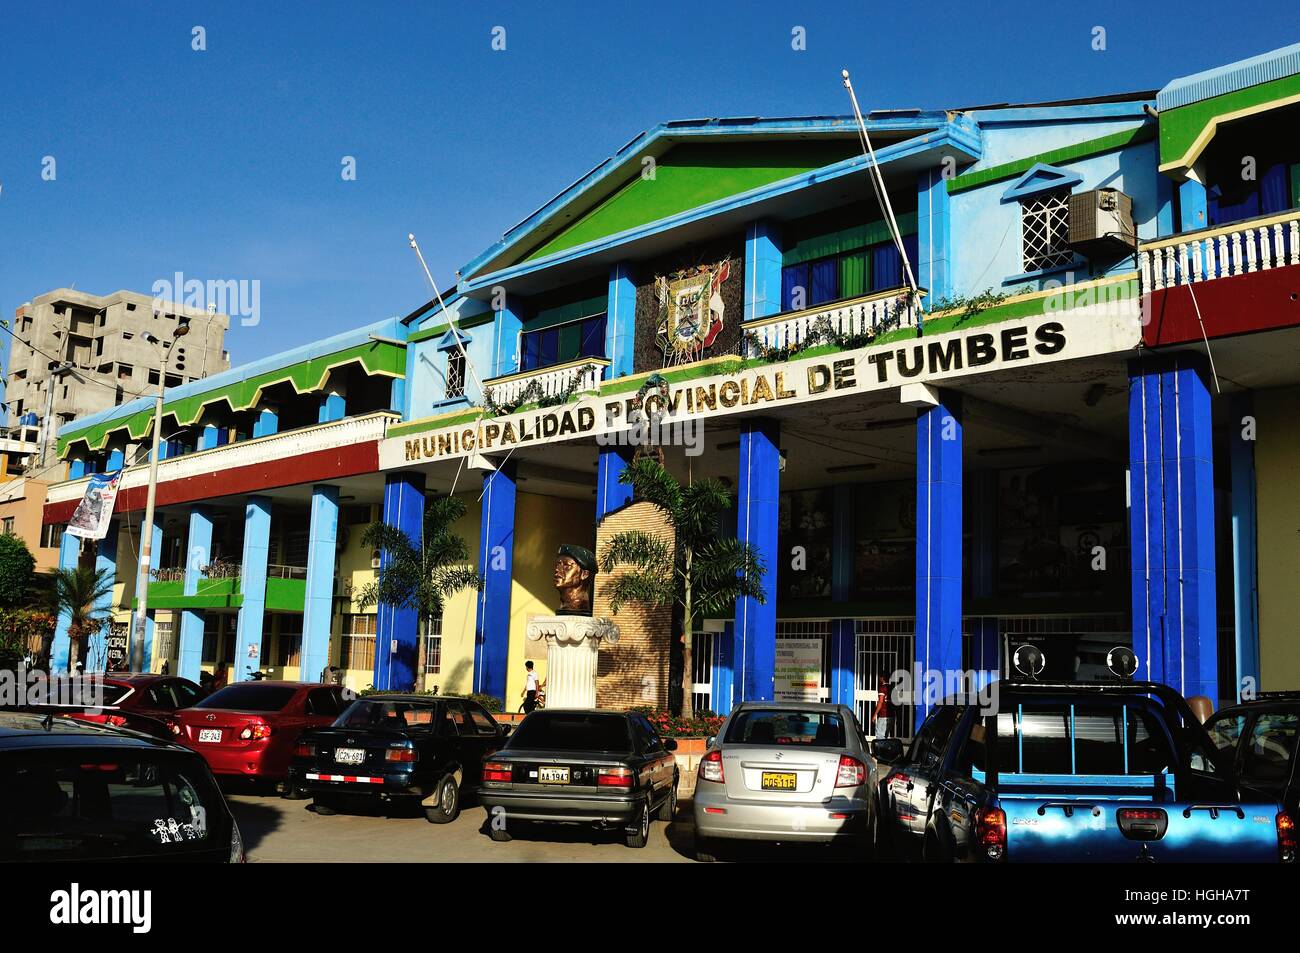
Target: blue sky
{"type": "Point", "coordinates": [226, 163]}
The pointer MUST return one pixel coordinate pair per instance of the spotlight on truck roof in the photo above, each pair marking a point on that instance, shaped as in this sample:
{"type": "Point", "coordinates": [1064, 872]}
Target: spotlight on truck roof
{"type": "Point", "coordinates": [1028, 661]}
{"type": "Point", "coordinates": [1122, 662]}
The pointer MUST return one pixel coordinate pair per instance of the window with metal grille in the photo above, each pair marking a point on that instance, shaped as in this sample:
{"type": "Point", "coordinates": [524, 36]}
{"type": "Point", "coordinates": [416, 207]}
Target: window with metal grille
{"type": "Point", "coordinates": [358, 648]}
{"type": "Point", "coordinates": [1045, 229]}
{"type": "Point", "coordinates": [433, 648]}
{"type": "Point", "coordinates": [455, 374]}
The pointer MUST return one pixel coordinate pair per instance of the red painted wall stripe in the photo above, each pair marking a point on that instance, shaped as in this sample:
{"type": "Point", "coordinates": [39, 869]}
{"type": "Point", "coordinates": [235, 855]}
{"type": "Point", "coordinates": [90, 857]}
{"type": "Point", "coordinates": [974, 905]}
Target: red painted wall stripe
{"type": "Point", "coordinates": [314, 467]}
{"type": "Point", "coordinates": [1260, 301]}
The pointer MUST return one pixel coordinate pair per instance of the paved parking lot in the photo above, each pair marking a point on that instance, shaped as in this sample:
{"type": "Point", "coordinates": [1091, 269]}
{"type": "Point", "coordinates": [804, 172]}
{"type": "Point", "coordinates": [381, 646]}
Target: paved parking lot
{"type": "Point", "coordinates": [276, 830]}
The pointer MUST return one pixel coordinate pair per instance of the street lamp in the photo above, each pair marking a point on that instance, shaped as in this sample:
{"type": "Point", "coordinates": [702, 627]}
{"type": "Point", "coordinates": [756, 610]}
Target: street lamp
{"type": "Point", "coordinates": [146, 529]}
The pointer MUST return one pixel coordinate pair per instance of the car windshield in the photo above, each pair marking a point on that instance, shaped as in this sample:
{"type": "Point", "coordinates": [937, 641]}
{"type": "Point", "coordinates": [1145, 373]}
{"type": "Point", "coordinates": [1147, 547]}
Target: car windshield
{"type": "Point", "coordinates": [370, 714]}
{"type": "Point", "coordinates": [250, 697]}
{"type": "Point", "coordinates": [104, 804]}
{"type": "Point", "coordinates": [576, 731]}
{"type": "Point", "coordinates": [762, 726]}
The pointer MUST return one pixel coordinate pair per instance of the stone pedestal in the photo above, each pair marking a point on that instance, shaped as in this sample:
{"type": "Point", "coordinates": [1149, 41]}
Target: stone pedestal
{"type": "Point", "coordinates": [572, 647]}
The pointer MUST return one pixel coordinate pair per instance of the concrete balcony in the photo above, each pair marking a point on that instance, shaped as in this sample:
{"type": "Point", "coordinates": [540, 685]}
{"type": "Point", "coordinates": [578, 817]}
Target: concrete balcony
{"type": "Point", "coordinates": [1257, 244]}
{"type": "Point", "coordinates": [850, 317]}
{"type": "Point", "coordinates": [271, 455]}
{"type": "Point", "coordinates": [548, 382]}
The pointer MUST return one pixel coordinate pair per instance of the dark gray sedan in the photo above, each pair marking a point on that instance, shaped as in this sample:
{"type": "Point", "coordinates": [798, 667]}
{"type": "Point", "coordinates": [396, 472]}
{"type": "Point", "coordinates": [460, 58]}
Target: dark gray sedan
{"type": "Point", "coordinates": [606, 769]}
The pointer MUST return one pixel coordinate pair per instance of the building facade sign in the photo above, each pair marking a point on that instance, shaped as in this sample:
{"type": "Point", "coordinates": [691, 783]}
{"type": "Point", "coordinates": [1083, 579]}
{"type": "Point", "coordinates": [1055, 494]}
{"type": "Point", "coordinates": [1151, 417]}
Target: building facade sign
{"type": "Point", "coordinates": [1078, 333]}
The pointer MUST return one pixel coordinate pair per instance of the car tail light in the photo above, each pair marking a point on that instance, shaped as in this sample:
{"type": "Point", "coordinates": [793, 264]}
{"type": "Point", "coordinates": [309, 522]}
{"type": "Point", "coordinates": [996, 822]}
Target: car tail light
{"type": "Point", "coordinates": [117, 721]}
{"type": "Point", "coordinates": [173, 726]}
{"type": "Point", "coordinates": [851, 774]}
{"type": "Point", "coordinates": [402, 755]}
{"type": "Point", "coordinates": [614, 777]}
{"type": "Point", "coordinates": [255, 732]}
{"type": "Point", "coordinates": [1286, 838]}
{"type": "Point", "coordinates": [304, 750]}
{"type": "Point", "coordinates": [711, 767]}
{"type": "Point", "coordinates": [991, 832]}
{"type": "Point", "coordinates": [497, 771]}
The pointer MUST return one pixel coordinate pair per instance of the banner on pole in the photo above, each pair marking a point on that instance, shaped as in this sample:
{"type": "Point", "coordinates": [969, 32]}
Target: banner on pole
{"type": "Point", "coordinates": [90, 521]}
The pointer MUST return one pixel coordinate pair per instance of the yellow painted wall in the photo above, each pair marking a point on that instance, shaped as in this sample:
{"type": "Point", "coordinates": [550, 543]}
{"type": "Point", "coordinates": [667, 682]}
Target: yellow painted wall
{"type": "Point", "coordinates": [1277, 480]}
{"type": "Point", "coordinates": [542, 523]}
{"type": "Point", "coordinates": [458, 616]}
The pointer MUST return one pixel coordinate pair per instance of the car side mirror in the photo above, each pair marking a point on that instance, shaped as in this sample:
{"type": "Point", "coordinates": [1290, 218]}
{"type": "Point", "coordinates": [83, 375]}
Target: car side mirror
{"type": "Point", "coordinates": [888, 750]}
{"type": "Point", "coordinates": [670, 744]}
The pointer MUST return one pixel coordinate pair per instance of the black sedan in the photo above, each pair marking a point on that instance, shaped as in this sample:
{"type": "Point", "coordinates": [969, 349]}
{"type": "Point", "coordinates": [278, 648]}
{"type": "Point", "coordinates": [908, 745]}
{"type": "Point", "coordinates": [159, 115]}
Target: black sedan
{"type": "Point", "coordinates": [73, 791]}
{"type": "Point", "coordinates": [606, 769]}
{"type": "Point", "coordinates": [408, 748]}
{"type": "Point", "coordinates": [1261, 738]}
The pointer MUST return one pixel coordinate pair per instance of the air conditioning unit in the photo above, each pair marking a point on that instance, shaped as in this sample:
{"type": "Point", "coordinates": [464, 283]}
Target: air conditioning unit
{"type": "Point", "coordinates": [1101, 223]}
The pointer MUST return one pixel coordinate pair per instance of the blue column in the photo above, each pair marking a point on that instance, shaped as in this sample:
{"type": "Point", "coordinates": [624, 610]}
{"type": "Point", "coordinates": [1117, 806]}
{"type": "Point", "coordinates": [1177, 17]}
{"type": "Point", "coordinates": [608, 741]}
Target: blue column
{"type": "Point", "coordinates": [938, 544]}
{"type": "Point", "coordinates": [758, 507]}
{"type": "Point", "coordinates": [984, 541]}
{"type": "Point", "coordinates": [1164, 207]}
{"type": "Point", "coordinates": [1245, 557]}
{"type": "Point", "coordinates": [333, 406]}
{"type": "Point", "coordinates": [115, 460]}
{"type": "Point", "coordinates": [1171, 522]}
{"type": "Point", "coordinates": [762, 269]}
{"type": "Point", "coordinates": [198, 548]}
{"type": "Point", "coordinates": [723, 674]}
{"type": "Point", "coordinates": [610, 493]}
{"type": "Point", "coordinates": [842, 543]}
{"type": "Point", "coordinates": [397, 644]}
{"type": "Point", "coordinates": [77, 469]}
{"type": "Point", "coordinates": [933, 240]}
{"type": "Point", "coordinates": [495, 560]}
{"type": "Point", "coordinates": [267, 422]}
{"type": "Point", "coordinates": [208, 437]}
{"type": "Point", "coordinates": [985, 650]}
{"type": "Point", "coordinates": [69, 558]}
{"type": "Point", "coordinates": [252, 587]}
{"type": "Point", "coordinates": [620, 322]}
{"type": "Point", "coordinates": [318, 607]}
{"type": "Point", "coordinates": [1193, 214]}
{"type": "Point", "coordinates": [96, 657]}
{"type": "Point", "coordinates": [505, 338]}
{"type": "Point", "coordinates": [844, 649]}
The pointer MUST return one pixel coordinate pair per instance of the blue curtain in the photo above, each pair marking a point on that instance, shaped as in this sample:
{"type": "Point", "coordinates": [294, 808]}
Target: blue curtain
{"type": "Point", "coordinates": [1273, 190]}
{"type": "Point", "coordinates": [793, 277]}
{"type": "Point", "coordinates": [886, 267]}
{"type": "Point", "coordinates": [825, 281]}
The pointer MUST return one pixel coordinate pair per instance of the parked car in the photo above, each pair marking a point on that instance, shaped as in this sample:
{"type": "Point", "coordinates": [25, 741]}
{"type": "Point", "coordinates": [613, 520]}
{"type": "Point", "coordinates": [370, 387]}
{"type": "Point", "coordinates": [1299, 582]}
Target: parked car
{"type": "Point", "coordinates": [1107, 772]}
{"type": "Point", "coordinates": [787, 773]}
{"type": "Point", "coordinates": [249, 729]}
{"type": "Point", "coordinates": [607, 769]}
{"type": "Point", "coordinates": [397, 748]}
{"type": "Point", "coordinates": [1259, 738]}
{"type": "Point", "coordinates": [72, 791]}
{"type": "Point", "coordinates": [141, 702]}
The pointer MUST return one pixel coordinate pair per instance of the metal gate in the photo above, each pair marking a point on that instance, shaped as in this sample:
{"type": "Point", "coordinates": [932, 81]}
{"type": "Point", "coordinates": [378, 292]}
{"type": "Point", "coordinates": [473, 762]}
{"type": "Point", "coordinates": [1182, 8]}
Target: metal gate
{"type": "Point", "coordinates": [702, 671]}
{"type": "Point", "coordinates": [885, 645]}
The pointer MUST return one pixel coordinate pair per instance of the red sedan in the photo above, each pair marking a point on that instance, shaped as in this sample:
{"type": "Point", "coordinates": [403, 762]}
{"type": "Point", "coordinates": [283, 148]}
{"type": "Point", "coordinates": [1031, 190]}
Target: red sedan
{"type": "Point", "coordinates": [249, 729]}
{"type": "Point", "coordinates": [143, 702]}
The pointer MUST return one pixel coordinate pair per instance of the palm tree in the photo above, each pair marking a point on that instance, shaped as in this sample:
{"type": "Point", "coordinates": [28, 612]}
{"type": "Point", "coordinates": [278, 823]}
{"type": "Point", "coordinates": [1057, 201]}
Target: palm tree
{"type": "Point", "coordinates": [421, 574]}
{"type": "Point", "coordinates": [699, 570]}
{"type": "Point", "coordinates": [82, 595]}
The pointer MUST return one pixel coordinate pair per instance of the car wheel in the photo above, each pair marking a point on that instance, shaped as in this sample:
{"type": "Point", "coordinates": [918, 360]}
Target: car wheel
{"type": "Point", "coordinates": [500, 835]}
{"type": "Point", "coordinates": [706, 852]}
{"type": "Point", "coordinates": [668, 809]}
{"type": "Point", "coordinates": [448, 807]}
{"type": "Point", "coordinates": [639, 836]}
{"type": "Point", "coordinates": [294, 792]}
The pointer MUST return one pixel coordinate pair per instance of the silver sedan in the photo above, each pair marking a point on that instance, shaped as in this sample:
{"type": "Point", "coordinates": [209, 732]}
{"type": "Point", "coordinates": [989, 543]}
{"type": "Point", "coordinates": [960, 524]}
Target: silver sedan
{"type": "Point", "coordinates": [794, 772]}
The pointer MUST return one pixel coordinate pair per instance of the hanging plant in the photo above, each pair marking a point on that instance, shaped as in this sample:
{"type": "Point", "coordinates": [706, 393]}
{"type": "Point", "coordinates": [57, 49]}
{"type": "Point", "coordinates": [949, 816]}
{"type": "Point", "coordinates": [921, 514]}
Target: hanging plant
{"type": "Point", "coordinates": [533, 394]}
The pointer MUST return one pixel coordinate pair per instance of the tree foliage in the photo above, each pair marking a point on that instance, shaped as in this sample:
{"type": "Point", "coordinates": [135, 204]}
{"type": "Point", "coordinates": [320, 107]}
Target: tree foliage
{"type": "Point", "coordinates": [17, 567]}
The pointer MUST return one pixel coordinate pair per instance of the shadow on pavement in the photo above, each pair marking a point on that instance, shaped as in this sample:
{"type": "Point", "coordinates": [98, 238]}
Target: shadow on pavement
{"type": "Point", "coordinates": [255, 819]}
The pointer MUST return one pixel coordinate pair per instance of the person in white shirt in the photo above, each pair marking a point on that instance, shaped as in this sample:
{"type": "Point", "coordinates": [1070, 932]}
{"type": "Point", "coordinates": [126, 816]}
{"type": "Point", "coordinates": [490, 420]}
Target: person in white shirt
{"type": "Point", "coordinates": [531, 687]}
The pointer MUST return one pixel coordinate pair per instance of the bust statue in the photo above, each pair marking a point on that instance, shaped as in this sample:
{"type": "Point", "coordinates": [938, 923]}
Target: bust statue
{"type": "Point", "coordinates": [575, 567]}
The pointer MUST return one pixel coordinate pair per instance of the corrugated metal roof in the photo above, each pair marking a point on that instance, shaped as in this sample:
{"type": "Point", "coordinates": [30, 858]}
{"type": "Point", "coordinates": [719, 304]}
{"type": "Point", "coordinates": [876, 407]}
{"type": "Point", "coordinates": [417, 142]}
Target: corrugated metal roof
{"type": "Point", "coordinates": [1230, 78]}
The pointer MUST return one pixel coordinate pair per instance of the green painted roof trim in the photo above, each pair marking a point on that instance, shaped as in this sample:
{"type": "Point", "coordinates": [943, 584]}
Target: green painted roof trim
{"type": "Point", "coordinates": [1181, 127]}
{"type": "Point", "coordinates": [1070, 153]}
{"type": "Point", "coordinates": [425, 334]}
{"type": "Point", "coordinates": [695, 174]}
{"type": "Point", "coordinates": [378, 358]}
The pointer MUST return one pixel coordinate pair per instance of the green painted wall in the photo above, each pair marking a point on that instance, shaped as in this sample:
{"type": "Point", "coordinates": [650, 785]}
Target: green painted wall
{"type": "Point", "coordinates": [1070, 153]}
{"type": "Point", "coordinates": [1179, 127]}
{"type": "Point", "coordinates": [692, 175]}
{"type": "Point", "coordinates": [285, 595]}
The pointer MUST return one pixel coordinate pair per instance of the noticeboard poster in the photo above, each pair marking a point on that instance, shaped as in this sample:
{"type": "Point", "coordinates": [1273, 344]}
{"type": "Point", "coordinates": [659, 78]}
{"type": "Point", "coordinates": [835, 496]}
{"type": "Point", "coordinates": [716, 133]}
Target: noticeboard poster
{"type": "Point", "coordinates": [798, 670]}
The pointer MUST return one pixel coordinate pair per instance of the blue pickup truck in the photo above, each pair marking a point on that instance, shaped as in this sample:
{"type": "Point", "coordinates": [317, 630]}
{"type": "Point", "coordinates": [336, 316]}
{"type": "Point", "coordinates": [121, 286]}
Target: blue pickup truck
{"type": "Point", "coordinates": [1108, 772]}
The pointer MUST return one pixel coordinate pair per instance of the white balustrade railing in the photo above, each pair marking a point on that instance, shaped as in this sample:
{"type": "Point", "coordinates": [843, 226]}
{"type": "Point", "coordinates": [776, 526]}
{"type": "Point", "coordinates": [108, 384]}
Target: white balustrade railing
{"type": "Point", "coordinates": [553, 381]}
{"type": "Point", "coordinates": [854, 316]}
{"type": "Point", "coordinates": [1238, 249]}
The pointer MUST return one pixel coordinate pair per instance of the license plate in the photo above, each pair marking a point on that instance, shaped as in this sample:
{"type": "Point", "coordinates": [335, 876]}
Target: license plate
{"type": "Point", "coordinates": [779, 781]}
{"type": "Point", "coordinates": [350, 755]}
{"type": "Point", "coordinates": [209, 734]}
{"type": "Point", "coordinates": [553, 775]}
